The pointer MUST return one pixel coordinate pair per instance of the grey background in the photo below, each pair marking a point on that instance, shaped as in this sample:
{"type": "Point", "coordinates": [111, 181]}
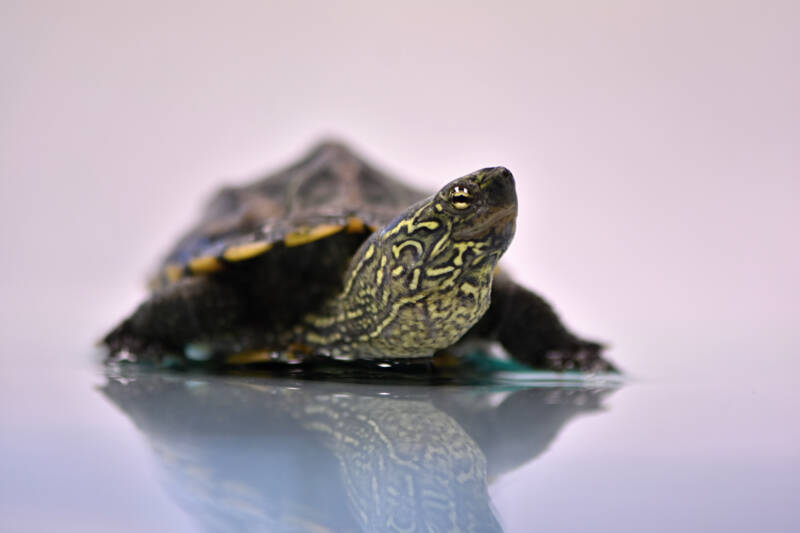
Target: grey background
{"type": "Point", "coordinates": [654, 146]}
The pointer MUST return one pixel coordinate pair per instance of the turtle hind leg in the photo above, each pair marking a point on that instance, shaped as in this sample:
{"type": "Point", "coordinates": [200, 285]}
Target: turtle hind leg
{"type": "Point", "coordinates": [124, 345]}
{"type": "Point", "coordinates": [172, 319]}
{"type": "Point", "coordinates": [532, 333]}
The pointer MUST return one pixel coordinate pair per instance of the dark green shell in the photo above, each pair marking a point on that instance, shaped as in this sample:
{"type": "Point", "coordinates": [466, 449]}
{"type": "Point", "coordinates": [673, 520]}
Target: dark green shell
{"type": "Point", "coordinates": [331, 190]}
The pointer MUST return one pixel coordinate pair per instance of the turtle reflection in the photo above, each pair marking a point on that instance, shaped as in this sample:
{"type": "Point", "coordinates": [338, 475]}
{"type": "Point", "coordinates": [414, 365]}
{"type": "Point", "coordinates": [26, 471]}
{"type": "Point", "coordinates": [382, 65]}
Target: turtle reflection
{"type": "Point", "coordinates": [244, 454]}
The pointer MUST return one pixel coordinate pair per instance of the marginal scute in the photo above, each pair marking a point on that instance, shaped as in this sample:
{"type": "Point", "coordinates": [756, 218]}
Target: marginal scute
{"type": "Point", "coordinates": [355, 225]}
{"type": "Point", "coordinates": [306, 235]}
{"type": "Point", "coordinates": [173, 272]}
{"type": "Point", "coordinates": [240, 252]}
{"type": "Point", "coordinates": [205, 264]}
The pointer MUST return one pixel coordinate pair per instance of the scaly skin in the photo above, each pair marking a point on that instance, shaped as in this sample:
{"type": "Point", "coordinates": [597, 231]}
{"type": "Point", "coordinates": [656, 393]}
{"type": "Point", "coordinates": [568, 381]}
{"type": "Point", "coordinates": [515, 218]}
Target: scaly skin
{"type": "Point", "coordinates": [419, 284]}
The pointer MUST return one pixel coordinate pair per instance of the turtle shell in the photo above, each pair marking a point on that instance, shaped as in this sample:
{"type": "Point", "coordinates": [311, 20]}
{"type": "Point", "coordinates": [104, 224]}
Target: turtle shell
{"type": "Point", "coordinates": [329, 191]}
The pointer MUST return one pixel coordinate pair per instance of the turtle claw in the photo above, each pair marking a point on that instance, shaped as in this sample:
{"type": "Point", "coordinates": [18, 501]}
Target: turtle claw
{"type": "Point", "coordinates": [582, 356]}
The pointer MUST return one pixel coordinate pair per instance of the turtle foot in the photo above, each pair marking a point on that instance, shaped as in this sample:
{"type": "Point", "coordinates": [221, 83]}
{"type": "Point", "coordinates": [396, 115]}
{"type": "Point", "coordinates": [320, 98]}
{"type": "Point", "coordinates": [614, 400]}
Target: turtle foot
{"type": "Point", "coordinates": [580, 355]}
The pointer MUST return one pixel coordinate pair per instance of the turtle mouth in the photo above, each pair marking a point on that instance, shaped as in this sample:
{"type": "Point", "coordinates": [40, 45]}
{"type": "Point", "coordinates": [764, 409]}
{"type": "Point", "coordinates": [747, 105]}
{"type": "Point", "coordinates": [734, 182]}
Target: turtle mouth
{"type": "Point", "coordinates": [500, 221]}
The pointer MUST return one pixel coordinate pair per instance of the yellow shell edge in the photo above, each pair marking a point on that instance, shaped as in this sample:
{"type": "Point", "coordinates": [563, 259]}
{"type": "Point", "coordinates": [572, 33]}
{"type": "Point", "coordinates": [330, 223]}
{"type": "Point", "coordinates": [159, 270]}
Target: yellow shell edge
{"type": "Point", "coordinates": [355, 225]}
{"type": "Point", "coordinates": [246, 251]}
{"type": "Point", "coordinates": [173, 273]}
{"type": "Point", "coordinates": [204, 264]}
{"type": "Point", "coordinates": [318, 232]}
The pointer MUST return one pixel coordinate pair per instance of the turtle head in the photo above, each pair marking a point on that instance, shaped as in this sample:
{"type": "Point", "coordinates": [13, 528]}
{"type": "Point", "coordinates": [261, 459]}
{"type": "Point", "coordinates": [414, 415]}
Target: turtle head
{"type": "Point", "coordinates": [419, 283]}
{"type": "Point", "coordinates": [480, 207]}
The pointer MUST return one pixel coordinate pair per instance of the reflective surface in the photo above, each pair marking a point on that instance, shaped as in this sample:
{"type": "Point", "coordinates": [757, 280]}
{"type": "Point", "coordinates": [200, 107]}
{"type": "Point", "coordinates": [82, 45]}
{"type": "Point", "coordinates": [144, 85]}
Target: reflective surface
{"type": "Point", "coordinates": [249, 454]}
{"type": "Point", "coordinates": [141, 451]}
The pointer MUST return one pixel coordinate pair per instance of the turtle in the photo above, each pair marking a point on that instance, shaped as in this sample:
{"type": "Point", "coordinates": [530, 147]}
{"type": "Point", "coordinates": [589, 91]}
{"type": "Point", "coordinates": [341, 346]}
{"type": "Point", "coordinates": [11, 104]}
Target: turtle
{"type": "Point", "coordinates": [333, 259]}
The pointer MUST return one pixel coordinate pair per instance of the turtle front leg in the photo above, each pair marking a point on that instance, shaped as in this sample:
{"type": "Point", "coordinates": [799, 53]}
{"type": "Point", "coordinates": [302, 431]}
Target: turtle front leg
{"type": "Point", "coordinates": [532, 333]}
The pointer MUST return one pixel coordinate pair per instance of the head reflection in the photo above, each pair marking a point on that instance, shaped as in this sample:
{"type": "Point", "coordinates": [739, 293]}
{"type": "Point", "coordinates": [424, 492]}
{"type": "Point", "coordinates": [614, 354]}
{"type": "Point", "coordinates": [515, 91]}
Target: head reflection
{"type": "Point", "coordinates": [246, 454]}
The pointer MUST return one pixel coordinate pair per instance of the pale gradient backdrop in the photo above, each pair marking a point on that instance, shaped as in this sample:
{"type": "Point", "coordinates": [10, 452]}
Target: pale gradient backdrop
{"type": "Point", "coordinates": [655, 147]}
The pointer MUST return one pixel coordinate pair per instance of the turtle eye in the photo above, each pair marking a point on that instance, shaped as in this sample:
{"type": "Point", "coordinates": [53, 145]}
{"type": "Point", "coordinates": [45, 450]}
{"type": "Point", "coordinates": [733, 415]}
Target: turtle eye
{"type": "Point", "coordinates": [460, 197]}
